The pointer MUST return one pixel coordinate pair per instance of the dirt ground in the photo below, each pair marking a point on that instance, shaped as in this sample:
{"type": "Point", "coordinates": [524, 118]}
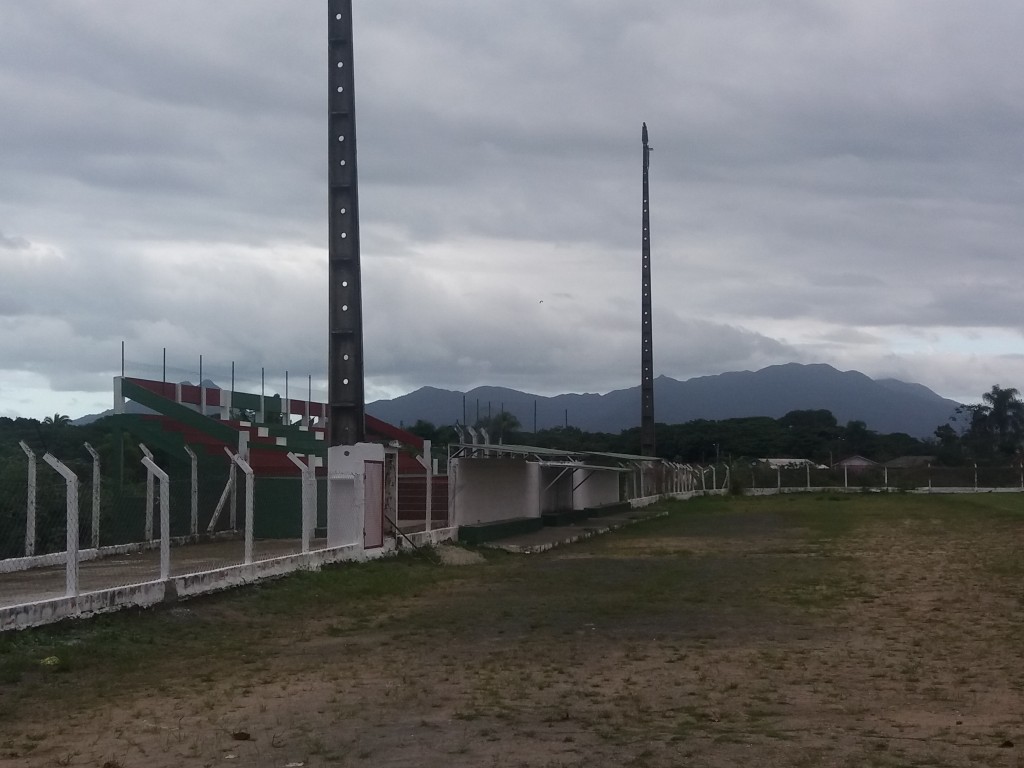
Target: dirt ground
{"type": "Point", "coordinates": [816, 631]}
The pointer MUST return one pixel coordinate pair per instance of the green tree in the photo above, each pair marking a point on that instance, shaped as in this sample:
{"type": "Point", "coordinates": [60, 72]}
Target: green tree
{"type": "Point", "coordinates": [57, 420]}
{"type": "Point", "coordinates": [499, 426]}
{"type": "Point", "coordinates": [1004, 414]}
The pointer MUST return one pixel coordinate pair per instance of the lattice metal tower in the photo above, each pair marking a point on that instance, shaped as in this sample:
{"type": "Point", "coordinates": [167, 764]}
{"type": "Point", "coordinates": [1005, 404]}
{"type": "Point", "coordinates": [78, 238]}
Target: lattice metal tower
{"type": "Point", "coordinates": [346, 398]}
{"type": "Point", "coordinates": [647, 340]}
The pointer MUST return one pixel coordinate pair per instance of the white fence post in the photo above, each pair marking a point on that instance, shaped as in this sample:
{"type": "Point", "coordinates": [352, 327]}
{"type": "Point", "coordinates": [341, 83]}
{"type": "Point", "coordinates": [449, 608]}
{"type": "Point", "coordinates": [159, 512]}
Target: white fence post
{"type": "Point", "coordinates": [249, 491]}
{"type": "Point", "coordinates": [165, 517]}
{"type": "Point", "coordinates": [95, 539]}
{"type": "Point", "coordinates": [194, 524]}
{"type": "Point", "coordinates": [71, 561]}
{"type": "Point", "coordinates": [149, 492]}
{"type": "Point", "coordinates": [30, 502]}
{"type": "Point", "coordinates": [808, 476]}
{"type": "Point", "coordinates": [846, 476]}
{"type": "Point", "coordinates": [308, 497]}
{"type": "Point", "coordinates": [428, 465]}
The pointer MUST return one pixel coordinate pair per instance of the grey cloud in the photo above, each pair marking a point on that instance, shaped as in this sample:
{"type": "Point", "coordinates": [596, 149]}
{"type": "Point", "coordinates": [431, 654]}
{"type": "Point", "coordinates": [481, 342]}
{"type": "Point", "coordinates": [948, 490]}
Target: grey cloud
{"type": "Point", "coordinates": [845, 165]}
{"type": "Point", "coordinates": [9, 243]}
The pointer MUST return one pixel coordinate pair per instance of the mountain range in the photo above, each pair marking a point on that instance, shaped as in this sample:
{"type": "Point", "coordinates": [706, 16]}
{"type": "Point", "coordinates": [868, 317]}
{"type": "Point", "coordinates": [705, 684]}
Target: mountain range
{"type": "Point", "coordinates": [885, 405]}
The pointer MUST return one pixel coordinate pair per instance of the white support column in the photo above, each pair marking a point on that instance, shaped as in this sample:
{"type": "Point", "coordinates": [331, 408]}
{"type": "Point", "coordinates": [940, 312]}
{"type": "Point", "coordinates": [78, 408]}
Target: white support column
{"type": "Point", "coordinates": [886, 474]}
{"type": "Point", "coordinates": [778, 478]}
{"type": "Point", "coordinates": [95, 538]}
{"type": "Point", "coordinates": [71, 564]}
{"type": "Point", "coordinates": [308, 497]}
{"type": "Point", "coordinates": [194, 520]}
{"type": "Point", "coordinates": [165, 517]}
{"type": "Point", "coordinates": [149, 494]}
{"type": "Point", "coordinates": [714, 477]}
{"type": "Point", "coordinates": [846, 476]}
{"type": "Point", "coordinates": [249, 505]}
{"type": "Point", "coordinates": [30, 502]}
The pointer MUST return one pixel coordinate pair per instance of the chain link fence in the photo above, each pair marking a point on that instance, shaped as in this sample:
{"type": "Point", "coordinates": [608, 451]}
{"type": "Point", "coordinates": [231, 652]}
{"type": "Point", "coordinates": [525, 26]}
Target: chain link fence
{"type": "Point", "coordinates": [116, 519]}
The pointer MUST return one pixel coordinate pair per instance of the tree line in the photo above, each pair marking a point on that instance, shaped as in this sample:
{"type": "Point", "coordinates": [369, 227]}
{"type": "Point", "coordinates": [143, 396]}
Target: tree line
{"type": "Point", "coordinates": [989, 432]}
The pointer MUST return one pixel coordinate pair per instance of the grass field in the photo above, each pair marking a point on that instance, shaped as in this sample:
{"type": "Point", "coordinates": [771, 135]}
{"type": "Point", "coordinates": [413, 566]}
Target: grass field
{"type": "Point", "coordinates": [847, 630]}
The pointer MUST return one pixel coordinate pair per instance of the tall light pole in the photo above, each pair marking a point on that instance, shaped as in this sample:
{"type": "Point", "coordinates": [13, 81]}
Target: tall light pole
{"type": "Point", "coordinates": [647, 339]}
{"type": "Point", "coordinates": [346, 397]}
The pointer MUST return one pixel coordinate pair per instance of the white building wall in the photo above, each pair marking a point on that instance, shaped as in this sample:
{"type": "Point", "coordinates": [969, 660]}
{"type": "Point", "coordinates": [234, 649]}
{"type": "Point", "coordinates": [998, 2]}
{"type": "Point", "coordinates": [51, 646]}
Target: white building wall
{"type": "Point", "coordinates": [488, 490]}
{"type": "Point", "coordinates": [556, 488]}
{"type": "Point", "coordinates": [595, 488]}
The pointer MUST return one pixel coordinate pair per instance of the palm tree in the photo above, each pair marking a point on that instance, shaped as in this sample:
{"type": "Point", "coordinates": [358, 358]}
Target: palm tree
{"type": "Point", "coordinates": [61, 420]}
{"type": "Point", "coordinates": [1004, 415]}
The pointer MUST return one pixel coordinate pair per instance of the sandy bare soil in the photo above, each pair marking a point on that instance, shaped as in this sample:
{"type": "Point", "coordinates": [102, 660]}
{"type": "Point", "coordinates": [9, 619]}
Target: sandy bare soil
{"type": "Point", "coordinates": [814, 632]}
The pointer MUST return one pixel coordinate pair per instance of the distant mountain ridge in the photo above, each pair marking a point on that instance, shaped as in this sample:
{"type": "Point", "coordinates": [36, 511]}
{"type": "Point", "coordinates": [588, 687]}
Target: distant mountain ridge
{"type": "Point", "coordinates": [885, 405]}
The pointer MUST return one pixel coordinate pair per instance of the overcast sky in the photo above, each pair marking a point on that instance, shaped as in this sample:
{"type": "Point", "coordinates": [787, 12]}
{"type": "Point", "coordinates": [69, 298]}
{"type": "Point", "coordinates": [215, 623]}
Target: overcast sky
{"type": "Point", "coordinates": [831, 182]}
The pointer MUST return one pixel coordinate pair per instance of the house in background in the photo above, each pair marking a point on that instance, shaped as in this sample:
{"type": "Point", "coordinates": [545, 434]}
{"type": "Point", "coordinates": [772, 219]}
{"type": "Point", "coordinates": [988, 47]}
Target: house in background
{"type": "Point", "coordinates": [857, 464]}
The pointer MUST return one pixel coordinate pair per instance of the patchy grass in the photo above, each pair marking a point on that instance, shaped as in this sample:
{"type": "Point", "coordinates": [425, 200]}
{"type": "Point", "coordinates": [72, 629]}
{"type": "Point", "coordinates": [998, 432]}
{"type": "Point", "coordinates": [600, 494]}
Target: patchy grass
{"type": "Point", "coordinates": [860, 629]}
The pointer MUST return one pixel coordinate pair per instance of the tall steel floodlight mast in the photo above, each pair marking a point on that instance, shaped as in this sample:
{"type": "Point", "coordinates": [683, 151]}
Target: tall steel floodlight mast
{"type": "Point", "coordinates": [346, 403]}
{"type": "Point", "coordinates": [647, 340]}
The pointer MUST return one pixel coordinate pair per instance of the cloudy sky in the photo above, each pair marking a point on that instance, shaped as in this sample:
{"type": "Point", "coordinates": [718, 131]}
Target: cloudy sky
{"type": "Point", "coordinates": [832, 182]}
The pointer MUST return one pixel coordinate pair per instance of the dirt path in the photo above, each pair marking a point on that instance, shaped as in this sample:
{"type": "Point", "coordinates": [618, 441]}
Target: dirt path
{"type": "Point", "coordinates": [734, 633]}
